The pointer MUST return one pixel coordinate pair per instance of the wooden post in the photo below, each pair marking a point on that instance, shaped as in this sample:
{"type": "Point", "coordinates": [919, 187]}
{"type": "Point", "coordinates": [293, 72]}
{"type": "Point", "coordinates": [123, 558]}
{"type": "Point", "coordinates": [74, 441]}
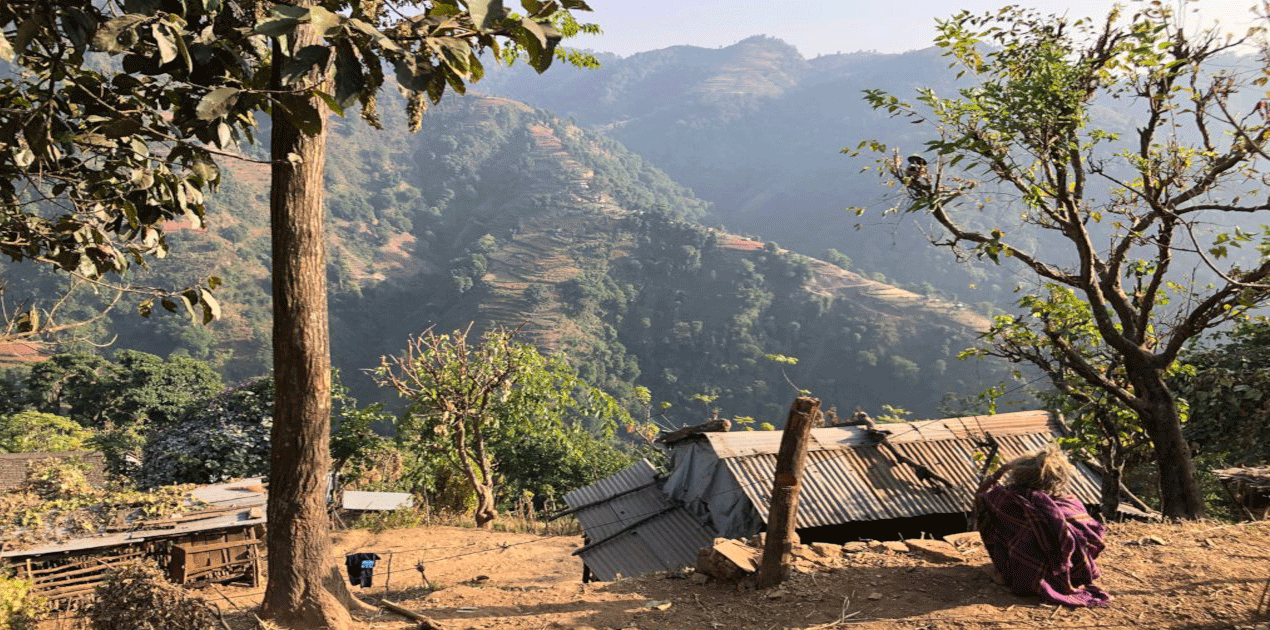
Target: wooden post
{"type": "Point", "coordinates": [388, 574]}
{"type": "Point", "coordinates": [785, 489]}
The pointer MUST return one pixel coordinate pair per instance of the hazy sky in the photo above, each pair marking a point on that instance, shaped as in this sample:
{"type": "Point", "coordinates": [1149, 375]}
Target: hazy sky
{"type": "Point", "coordinates": [824, 26]}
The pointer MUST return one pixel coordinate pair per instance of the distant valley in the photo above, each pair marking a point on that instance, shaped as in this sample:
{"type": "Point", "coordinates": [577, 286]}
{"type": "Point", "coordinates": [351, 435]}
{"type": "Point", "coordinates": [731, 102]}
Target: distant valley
{"type": "Point", "coordinates": [502, 213]}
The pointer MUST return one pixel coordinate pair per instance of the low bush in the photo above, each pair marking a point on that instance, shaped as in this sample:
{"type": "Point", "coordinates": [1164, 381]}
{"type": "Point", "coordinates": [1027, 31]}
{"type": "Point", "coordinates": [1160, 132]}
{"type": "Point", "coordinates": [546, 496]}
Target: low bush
{"type": "Point", "coordinates": [140, 598]}
{"type": "Point", "coordinates": [18, 608]}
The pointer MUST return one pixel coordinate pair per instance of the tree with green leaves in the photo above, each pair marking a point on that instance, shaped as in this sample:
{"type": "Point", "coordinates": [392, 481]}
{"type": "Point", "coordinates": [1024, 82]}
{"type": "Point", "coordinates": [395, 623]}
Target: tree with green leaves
{"type": "Point", "coordinates": [1228, 389]}
{"type": "Point", "coordinates": [35, 431]}
{"type": "Point", "coordinates": [1103, 428]}
{"type": "Point", "coordinates": [94, 162]}
{"type": "Point", "coordinates": [500, 402]}
{"type": "Point", "coordinates": [1018, 171]}
{"type": "Point", "coordinates": [225, 436]}
{"type": "Point", "coordinates": [135, 388]}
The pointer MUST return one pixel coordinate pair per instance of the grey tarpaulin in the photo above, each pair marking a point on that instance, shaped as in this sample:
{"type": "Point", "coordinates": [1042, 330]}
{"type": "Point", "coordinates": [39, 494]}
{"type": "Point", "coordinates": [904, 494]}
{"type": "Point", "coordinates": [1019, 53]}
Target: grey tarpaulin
{"type": "Point", "coordinates": [703, 484]}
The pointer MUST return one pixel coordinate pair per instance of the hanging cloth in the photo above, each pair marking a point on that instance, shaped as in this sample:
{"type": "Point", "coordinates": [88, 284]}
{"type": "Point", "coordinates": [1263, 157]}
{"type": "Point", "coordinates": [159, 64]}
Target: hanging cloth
{"type": "Point", "coordinates": [361, 568]}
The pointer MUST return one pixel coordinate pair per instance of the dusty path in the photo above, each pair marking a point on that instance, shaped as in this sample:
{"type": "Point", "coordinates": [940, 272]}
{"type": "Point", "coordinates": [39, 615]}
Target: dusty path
{"type": "Point", "coordinates": [1203, 575]}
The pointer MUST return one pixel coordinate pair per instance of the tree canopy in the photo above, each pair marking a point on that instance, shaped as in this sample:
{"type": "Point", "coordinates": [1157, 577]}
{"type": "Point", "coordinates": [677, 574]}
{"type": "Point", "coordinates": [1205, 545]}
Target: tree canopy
{"type": "Point", "coordinates": [498, 405]}
{"type": "Point", "coordinates": [34, 431]}
{"type": "Point", "coordinates": [1140, 221]}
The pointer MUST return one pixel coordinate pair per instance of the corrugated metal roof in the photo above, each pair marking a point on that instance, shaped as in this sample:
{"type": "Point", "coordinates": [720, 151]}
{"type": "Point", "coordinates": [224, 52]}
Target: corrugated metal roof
{"type": "Point", "coordinates": [849, 479]}
{"type": "Point", "coordinates": [666, 542]}
{"type": "Point", "coordinates": [746, 443]}
{"type": "Point", "coordinates": [638, 474]}
{"type": "Point", "coordinates": [632, 527]}
{"type": "Point", "coordinates": [376, 501]}
{"type": "Point", "coordinates": [244, 492]}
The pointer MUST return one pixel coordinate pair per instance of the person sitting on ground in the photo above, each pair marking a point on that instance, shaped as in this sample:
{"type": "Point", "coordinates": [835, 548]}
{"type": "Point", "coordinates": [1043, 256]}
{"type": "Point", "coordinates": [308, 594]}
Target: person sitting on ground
{"type": "Point", "coordinates": [1040, 538]}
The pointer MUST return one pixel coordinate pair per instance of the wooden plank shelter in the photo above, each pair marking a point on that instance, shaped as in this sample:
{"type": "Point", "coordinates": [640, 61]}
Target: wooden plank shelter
{"type": "Point", "coordinates": [221, 543]}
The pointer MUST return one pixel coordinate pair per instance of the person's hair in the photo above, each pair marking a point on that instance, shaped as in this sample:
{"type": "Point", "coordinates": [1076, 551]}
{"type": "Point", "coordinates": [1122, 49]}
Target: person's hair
{"type": "Point", "coordinates": [1046, 470]}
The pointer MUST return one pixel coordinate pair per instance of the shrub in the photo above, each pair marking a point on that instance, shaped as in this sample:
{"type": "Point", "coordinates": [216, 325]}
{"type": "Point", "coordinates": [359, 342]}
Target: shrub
{"type": "Point", "coordinates": [223, 438]}
{"type": "Point", "coordinates": [140, 598]}
{"type": "Point", "coordinates": [18, 608]}
{"type": "Point", "coordinates": [34, 431]}
{"type": "Point", "coordinates": [55, 479]}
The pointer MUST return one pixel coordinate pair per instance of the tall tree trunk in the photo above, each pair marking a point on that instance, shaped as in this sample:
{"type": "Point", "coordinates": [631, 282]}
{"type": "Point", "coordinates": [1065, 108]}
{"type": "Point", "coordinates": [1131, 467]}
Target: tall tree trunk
{"type": "Point", "coordinates": [480, 480]}
{"type": "Point", "coordinates": [1112, 476]}
{"type": "Point", "coordinates": [1179, 489]}
{"type": "Point", "coordinates": [1111, 459]}
{"type": "Point", "coordinates": [300, 589]}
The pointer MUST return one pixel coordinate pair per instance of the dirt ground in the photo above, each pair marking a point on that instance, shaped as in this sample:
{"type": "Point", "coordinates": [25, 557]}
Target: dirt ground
{"type": "Point", "coordinates": [1194, 575]}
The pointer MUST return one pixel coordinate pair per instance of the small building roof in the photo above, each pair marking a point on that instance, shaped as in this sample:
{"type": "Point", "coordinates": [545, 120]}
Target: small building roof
{"type": "Point", "coordinates": [361, 501]}
{"type": "Point", "coordinates": [848, 477]}
{"type": "Point", "coordinates": [13, 466]}
{"type": "Point", "coordinates": [230, 504]}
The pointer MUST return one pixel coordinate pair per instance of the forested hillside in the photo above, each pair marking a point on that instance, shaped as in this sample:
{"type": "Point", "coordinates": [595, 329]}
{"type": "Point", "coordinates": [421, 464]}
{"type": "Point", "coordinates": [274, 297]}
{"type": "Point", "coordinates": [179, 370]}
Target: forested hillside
{"type": "Point", "coordinates": [756, 130]}
{"type": "Point", "coordinates": [503, 214]}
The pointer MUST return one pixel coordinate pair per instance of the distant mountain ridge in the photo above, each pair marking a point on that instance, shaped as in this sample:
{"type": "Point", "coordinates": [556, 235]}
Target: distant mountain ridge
{"type": "Point", "coordinates": [506, 215]}
{"type": "Point", "coordinates": [756, 130]}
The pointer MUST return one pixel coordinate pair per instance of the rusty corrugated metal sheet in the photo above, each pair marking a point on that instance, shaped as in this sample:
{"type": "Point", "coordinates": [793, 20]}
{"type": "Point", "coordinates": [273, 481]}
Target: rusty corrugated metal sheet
{"type": "Point", "coordinates": [746, 443]}
{"type": "Point", "coordinates": [864, 483]}
{"type": "Point", "coordinates": [633, 528]}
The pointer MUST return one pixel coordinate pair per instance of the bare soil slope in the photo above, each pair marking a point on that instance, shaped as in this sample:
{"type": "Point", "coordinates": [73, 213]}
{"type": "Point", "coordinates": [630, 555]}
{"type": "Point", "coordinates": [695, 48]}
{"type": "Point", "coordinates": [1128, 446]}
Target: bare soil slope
{"type": "Point", "coordinates": [1199, 575]}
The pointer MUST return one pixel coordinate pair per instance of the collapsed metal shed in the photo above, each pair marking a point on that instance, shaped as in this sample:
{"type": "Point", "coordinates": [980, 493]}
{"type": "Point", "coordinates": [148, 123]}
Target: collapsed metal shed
{"type": "Point", "coordinates": [632, 527]}
{"type": "Point", "coordinates": [720, 484]}
{"type": "Point", "coordinates": [726, 479]}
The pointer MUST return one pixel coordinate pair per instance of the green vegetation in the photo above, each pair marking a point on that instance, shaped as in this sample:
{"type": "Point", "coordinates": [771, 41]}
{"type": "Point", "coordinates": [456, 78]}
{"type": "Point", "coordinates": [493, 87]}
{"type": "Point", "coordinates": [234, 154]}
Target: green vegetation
{"type": "Point", "coordinates": [34, 431]}
{"type": "Point", "coordinates": [500, 404]}
{"type": "Point", "coordinates": [686, 316]}
{"type": "Point", "coordinates": [19, 610]}
{"type": "Point", "coordinates": [56, 501]}
{"type": "Point", "coordinates": [224, 437]}
{"type": "Point", "coordinates": [1227, 387]}
{"type": "Point", "coordinates": [1106, 225]}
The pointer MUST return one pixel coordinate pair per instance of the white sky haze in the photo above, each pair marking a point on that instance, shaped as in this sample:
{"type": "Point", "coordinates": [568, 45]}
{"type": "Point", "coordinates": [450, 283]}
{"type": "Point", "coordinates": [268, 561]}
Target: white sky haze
{"type": "Point", "coordinates": [818, 27]}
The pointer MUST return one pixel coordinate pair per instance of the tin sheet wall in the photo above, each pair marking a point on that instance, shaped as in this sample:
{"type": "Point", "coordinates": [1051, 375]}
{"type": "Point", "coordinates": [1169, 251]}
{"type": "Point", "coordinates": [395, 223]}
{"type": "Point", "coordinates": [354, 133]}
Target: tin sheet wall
{"type": "Point", "coordinates": [865, 483]}
{"type": "Point", "coordinates": [633, 528]}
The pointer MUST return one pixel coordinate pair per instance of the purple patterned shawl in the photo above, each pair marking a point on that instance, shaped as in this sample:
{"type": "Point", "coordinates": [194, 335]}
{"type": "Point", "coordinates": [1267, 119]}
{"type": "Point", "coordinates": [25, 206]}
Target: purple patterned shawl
{"type": "Point", "coordinates": [1043, 545]}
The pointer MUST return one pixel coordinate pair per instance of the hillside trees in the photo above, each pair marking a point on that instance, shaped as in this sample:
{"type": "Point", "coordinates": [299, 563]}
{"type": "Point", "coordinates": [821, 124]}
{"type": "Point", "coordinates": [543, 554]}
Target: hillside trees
{"type": "Point", "coordinates": [1228, 388]}
{"type": "Point", "coordinates": [133, 388]}
{"type": "Point", "coordinates": [498, 402]}
{"type": "Point", "coordinates": [226, 436]}
{"type": "Point", "coordinates": [196, 74]}
{"type": "Point", "coordinates": [35, 431]}
{"type": "Point", "coordinates": [1119, 217]}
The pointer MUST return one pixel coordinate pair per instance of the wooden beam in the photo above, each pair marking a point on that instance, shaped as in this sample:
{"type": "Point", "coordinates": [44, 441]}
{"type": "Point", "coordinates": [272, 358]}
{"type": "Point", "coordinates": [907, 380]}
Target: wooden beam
{"type": "Point", "coordinates": [782, 514]}
{"type": "Point", "coordinates": [242, 565]}
{"type": "Point", "coordinates": [425, 623]}
{"type": "Point", "coordinates": [218, 546]}
{"type": "Point", "coordinates": [100, 559]}
{"type": "Point", "coordinates": [62, 593]}
{"type": "Point", "coordinates": [58, 577]}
